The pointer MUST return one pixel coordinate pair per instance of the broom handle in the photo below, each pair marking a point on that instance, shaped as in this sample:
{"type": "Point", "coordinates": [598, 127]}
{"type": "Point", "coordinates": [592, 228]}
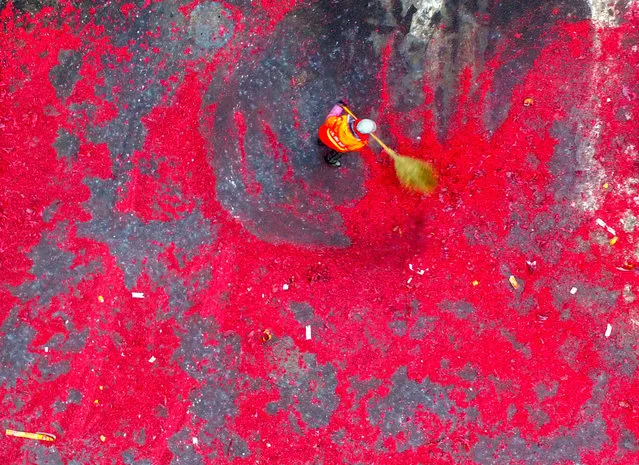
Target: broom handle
{"type": "Point", "coordinates": [377, 139]}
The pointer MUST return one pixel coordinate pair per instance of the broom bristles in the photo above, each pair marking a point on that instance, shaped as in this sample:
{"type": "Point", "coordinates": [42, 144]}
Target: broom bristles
{"type": "Point", "coordinates": [416, 175]}
{"type": "Point", "coordinates": [413, 174]}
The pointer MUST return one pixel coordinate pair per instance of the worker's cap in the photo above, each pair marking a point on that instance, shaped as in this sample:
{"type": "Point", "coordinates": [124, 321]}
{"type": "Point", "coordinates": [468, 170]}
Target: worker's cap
{"type": "Point", "coordinates": [366, 126]}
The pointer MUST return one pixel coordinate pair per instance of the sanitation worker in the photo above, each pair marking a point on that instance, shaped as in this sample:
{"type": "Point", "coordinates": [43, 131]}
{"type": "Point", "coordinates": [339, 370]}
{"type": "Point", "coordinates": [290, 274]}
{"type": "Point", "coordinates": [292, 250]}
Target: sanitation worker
{"type": "Point", "coordinates": [343, 133]}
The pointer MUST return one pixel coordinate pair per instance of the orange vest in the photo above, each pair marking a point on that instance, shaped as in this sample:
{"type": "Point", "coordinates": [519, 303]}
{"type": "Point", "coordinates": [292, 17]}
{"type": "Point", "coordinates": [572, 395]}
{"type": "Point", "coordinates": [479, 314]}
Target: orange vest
{"type": "Point", "coordinates": [337, 134]}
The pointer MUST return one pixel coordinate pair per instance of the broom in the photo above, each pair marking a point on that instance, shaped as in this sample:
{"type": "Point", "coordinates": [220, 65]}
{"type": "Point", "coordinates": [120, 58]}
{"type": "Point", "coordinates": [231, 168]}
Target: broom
{"type": "Point", "coordinates": [416, 175]}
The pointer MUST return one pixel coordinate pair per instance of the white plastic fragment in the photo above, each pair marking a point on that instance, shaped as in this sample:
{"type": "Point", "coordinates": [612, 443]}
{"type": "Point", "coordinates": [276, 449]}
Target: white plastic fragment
{"type": "Point", "coordinates": [137, 295]}
{"type": "Point", "coordinates": [152, 359]}
{"type": "Point", "coordinates": [603, 224]}
{"type": "Point", "coordinates": [308, 332]}
{"type": "Point", "coordinates": [195, 441]}
{"type": "Point", "coordinates": [409, 280]}
{"type": "Point", "coordinates": [573, 291]}
{"type": "Point", "coordinates": [285, 287]}
{"type": "Point", "coordinates": [46, 349]}
{"type": "Point", "coordinates": [608, 330]}
{"type": "Point", "coordinates": [410, 266]}
{"type": "Point", "coordinates": [420, 272]}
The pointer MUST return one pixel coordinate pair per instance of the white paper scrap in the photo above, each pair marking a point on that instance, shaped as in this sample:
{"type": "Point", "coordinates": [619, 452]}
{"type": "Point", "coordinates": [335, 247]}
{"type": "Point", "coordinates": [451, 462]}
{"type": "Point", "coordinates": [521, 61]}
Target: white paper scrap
{"type": "Point", "coordinates": [308, 332]}
{"type": "Point", "coordinates": [608, 330]}
{"type": "Point", "coordinates": [137, 295]}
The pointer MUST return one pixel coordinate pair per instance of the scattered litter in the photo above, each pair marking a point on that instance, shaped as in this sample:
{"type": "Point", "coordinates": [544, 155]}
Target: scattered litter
{"type": "Point", "coordinates": [634, 322]}
{"type": "Point", "coordinates": [266, 335]}
{"type": "Point", "coordinates": [195, 441]}
{"type": "Point", "coordinates": [152, 359]}
{"type": "Point", "coordinates": [409, 280]}
{"type": "Point", "coordinates": [602, 223]}
{"type": "Point", "coordinates": [308, 332]}
{"type": "Point", "coordinates": [532, 266]}
{"type": "Point", "coordinates": [96, 401]}
{"type": "Point", "coordinates": [101, 388]}
{"type": "Point", "coordinates": [420, 272]}
{"type": "Point", "coordinates": [37, 436]}
{"type": "Point", "coordinates": [528, 101]}
{"type": "Point", "coordinates": [573, 291]}
{"type": "Point", "coordinates": [606, 185]}
{"type": "Point", "coordinates": [410, 266]}
{"type": "Point", "coordinates": [626, 267]}
{"type": "Point", "coordinates": [513, 282]}
{"type": "Point", "coordinates": [475, 283]}
{"type": "Point", "coordinates": [102, 437]}
{"type": "Point", "coordinates": [137, 295]}
{"type": "Point", "coordinates": [46, 349]}
{"type": "Point", "coordinates": [614, 240]}
{"type": "Point", "coordinates": [100, 299]}
{"type": "Point", "coordinates": [608, 330]}
{"type": "Point", "coordinates": [285, 287]}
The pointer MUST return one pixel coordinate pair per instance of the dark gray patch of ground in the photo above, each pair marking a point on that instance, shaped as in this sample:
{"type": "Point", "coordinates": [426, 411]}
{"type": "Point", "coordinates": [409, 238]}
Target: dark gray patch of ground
{"type": "Point", "coordinates": [52, 371]}
{"type": "Point", "coordinates": [48, 455]}
{"type": "Point", "coordinates": [546, 391]}
{"type": "Point", "coordinates": [15, 357]}
{"type": "Point", "coordinates": [214, 403]}
{"type": "Point", "coordinates": [64, 76]}
{"type": "Point", "coordinates": [461, 309]}
{"type": "Point", "coordinates": [304, 313]}
{"type": "Point", "coordinates": [67, 145]}
{"type": "Point", "coordinates": [595, 300]}
{"type": "Point", "coordinates": [422, 327]}
{"type": "Point", "coordinates": [628, 441]}
{"type": "Point", "coordinates": [309, 390]}
{"type": "Point", "coordinates": [622, 356]}
{"type": "Point", "coordinates": [395, 413]}
{"type": "Point", "coordinates": [184, 453]}
{"type": "Point", "coordinates": [53, 270]}
{"type": "Point", "coordinates": [132, 241]}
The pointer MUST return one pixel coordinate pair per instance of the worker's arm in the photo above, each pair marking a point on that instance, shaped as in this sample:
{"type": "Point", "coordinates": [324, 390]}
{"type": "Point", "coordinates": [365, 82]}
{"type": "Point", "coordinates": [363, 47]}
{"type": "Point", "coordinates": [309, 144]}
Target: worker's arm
{"type": "Point", "coordinates": [337, 110]}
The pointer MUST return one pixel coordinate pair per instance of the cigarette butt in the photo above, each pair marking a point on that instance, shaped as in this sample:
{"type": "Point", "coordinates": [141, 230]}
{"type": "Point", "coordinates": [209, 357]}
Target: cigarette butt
{"type": "Point", "coordinates": [137, 295]}
{"type": "Point", "coordinates": [308, 332]}
{"type": "Point", "coordinates": [614, 240]}
{"type": "Point", "coordinates": [37, 436]}
{"type": "Point", "coordinates": [475, 283]}
{"type": "Point", "coordinates": [608, 330]}
{"type": "Point", "coordinates": [513, 282]}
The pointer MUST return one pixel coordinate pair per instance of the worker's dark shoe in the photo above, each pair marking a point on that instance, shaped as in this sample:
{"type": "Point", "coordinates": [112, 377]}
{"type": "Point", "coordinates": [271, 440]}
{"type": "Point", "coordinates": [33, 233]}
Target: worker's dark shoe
{"type": "Point", "coordinates": [333, 161]}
